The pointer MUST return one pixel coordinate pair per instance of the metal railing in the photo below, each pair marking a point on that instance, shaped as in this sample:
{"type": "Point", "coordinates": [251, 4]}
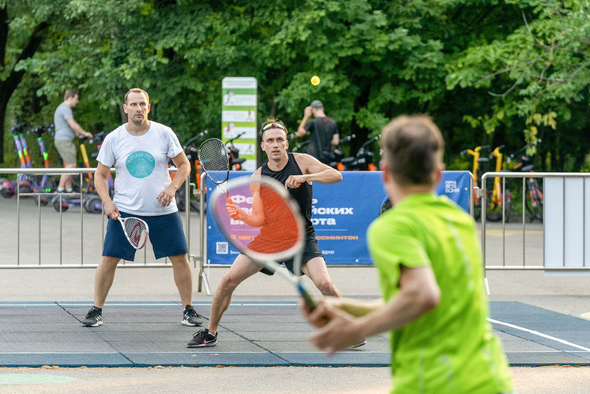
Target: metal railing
{"type": "Point", "coordinates": [81, 172]}
{"type": "Point", "coordinates": [539, 266]}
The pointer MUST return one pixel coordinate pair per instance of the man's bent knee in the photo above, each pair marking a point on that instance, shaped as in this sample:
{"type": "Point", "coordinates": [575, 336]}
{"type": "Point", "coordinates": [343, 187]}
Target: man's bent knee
{"type": "Point", "coordinates": [229, 283]}
{"type": "Point", "coordinates": [326, 286]}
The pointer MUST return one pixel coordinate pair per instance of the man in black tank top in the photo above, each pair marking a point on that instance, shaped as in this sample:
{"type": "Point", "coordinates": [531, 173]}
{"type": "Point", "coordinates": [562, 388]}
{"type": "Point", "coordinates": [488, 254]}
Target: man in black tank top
{"type": "Point", "coordinates": [296, 172]}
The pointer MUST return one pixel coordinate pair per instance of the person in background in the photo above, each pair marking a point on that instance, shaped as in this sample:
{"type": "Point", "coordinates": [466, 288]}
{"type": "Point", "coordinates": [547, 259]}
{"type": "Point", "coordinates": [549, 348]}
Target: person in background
{"type": "Point", "coordinates": [323, 131]}
{"type": "Point", "coordinates": [66, 130]}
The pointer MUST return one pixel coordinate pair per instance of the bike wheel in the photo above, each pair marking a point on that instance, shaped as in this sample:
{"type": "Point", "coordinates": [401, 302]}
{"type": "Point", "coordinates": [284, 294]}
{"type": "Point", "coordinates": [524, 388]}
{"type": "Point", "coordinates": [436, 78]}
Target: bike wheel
{"type": "Point", "coordinates": [534, 200]}
{"type": "Point", "coordinates": [494, 211]}
{"type": "Point", "coordinates": [7, 192]}
{"type": "Point", "coordinates": [65, 203]}
{"type": "Point", "coordinates": [42, 200]}
{"type": "Point", "coordinates": [93, 204]}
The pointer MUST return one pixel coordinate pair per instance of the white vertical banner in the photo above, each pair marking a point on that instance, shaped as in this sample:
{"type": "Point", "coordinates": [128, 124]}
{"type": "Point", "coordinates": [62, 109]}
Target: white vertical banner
{"type": "Point", "coordinates": [553, 203]}
{"type": "Point", "coordinates": [567, 221]}
{"type": "Point", "coordinates": [239, 108]}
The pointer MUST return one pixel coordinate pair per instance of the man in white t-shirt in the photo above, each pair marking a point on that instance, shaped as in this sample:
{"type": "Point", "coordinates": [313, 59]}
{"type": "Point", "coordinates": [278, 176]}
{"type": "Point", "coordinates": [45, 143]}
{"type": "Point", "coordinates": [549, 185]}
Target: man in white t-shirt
{"type": "Point", "coordinates": [139, 150]}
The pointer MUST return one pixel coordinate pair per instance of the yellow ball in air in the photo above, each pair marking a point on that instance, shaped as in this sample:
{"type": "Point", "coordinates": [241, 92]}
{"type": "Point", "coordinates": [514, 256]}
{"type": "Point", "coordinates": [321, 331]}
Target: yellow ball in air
{"type": "Point", "coordinates": [315, 80]}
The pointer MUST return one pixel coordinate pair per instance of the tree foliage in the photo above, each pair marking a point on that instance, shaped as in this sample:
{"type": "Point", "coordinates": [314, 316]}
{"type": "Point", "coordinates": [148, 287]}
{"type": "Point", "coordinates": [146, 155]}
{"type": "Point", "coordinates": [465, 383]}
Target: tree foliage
{"type": "Point", "coordinates": [487, 71]}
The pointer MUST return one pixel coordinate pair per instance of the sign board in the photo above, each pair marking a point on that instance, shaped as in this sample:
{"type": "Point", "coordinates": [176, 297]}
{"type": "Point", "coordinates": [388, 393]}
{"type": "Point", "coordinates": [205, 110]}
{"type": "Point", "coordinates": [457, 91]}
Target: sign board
{"type": "Point", "coordinates": [238, 116]}
{"type": "Point", "coordinates": [341, 215]}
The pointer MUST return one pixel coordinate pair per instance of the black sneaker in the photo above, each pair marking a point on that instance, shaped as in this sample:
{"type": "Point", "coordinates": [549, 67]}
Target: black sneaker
{"type": "Point", "coordinates": [190, 317]}
{"type": "Point", "coordinates": [93, 318]}
{"type": "Point", "coordinates": [203, 338]}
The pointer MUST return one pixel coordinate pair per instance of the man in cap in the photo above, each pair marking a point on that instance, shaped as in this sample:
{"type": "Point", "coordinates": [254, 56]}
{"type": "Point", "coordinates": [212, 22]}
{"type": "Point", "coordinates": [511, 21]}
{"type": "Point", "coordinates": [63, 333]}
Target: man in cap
{"type": "Point", "coordinates": [323, 132]}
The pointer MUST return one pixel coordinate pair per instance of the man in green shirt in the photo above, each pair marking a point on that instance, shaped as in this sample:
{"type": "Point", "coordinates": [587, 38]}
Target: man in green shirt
{"type": "Point", "coordinates": [429, 262]}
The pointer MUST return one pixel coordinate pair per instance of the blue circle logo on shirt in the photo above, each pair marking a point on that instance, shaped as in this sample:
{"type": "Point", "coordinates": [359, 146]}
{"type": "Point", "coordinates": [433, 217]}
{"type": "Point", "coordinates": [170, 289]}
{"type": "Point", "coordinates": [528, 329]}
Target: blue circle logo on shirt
{"type": "Point", "coordinates": [140, 164]}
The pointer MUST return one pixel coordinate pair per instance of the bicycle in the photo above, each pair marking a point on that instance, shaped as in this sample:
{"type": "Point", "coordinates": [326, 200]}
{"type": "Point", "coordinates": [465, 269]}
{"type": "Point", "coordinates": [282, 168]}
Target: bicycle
{"type": "Point", "coordinates": [191, 149]}
{"type": "Point", "coordinates": [497, 198]}
{"type": "Point", "coordinates": [235, 161]}
{"type": "Point", "coordinates": [335, 156]}
{"type": "Point", "coordinates": [534, 192]}
{"type": "Point", "coordinates": [500, 202]}
{"type": "Point", "coordinates": [363, 160]}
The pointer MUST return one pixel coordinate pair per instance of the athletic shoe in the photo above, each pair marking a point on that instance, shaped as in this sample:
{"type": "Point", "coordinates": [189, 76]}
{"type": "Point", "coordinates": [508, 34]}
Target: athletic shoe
{"type": "Point", "coordinates": [93, 318]}
{"type": "Point", "coordinates": [203, 338]}
{"type": "Point", "coordinates": [357, 345]}
{"type": "Point", "coordinates": [190, 317]}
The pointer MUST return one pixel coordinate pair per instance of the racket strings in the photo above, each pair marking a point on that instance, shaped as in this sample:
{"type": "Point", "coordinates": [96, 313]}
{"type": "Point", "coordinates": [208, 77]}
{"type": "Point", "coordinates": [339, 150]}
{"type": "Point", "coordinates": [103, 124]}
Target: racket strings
{"type": "Point", "coordinates": [213, 157]}
{"type": "Point", "coordinates": [137, 232]}
{"type": "Point", "coordinates": [280, 231]}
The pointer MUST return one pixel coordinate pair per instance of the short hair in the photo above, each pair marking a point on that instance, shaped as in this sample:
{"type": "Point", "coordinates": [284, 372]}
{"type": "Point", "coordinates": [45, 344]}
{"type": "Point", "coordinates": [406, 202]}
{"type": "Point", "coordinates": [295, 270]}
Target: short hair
{"type": "Point", "coordinates": [274, 124]}
{"type": "Point", "coordinates": [70, 93]}
{"type": "Point", "coordinates": [412, 148]}
{"type": "Point", "coordinates": [137, 90]}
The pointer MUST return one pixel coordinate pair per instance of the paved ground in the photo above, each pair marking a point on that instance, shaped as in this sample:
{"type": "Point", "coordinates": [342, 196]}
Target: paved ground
{"type": "Point", "coordinates": [537, 317]}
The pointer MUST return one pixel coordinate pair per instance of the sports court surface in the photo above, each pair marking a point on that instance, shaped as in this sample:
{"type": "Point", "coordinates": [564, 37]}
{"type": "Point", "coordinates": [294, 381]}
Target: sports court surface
{"type": "Point", "coordinates": [252, 333]}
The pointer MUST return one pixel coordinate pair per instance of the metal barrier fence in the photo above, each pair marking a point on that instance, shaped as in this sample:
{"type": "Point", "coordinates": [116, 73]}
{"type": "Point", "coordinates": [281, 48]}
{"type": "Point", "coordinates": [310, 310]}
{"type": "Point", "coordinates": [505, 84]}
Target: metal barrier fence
{"type": "Point", "coordinates": [197, 257]}
{"type": "Point", "coordinates": [556, 215]}
{"type": "Point", "coordinates": [81, 172]}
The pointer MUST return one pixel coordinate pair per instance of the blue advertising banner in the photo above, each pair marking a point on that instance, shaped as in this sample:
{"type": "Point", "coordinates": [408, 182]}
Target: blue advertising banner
{"type": "Point", "coordinates": [341, 214]}
{"type": "Point", "coordinates": [455, 185]}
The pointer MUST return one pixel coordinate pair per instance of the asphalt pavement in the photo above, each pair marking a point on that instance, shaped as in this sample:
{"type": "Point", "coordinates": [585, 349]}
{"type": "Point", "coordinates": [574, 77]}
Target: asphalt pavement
{"type": "Point", "coordinates": [262, 336]}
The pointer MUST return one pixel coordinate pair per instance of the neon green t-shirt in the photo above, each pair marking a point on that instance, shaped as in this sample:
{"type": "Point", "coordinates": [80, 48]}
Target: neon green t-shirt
{"type": "Point", "coordinates": [450, 349]}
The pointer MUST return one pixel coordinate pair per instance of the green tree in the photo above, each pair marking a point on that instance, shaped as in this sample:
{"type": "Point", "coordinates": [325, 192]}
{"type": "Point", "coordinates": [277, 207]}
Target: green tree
{"type": "Point", "coordinates": [536, 78]}
{"type": "Point", "coordinates": [23, 27]}
{"type": "Point", "coordinates": [481, 70]}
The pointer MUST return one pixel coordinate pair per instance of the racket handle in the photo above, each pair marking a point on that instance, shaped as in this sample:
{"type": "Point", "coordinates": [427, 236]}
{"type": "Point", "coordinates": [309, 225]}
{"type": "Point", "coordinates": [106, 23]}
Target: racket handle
{"type": "Point", "coordinates": [309, 302]}
{"type": "Point", "coordinates": [230, 201]}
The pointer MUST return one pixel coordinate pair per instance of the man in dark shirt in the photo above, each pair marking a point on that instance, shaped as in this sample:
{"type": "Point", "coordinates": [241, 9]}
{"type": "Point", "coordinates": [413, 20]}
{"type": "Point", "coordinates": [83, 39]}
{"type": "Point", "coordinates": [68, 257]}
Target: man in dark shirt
{"type": "Point", "coordinates": [323, 132]}
{"type": "Point", "coordinates": [296, 171]}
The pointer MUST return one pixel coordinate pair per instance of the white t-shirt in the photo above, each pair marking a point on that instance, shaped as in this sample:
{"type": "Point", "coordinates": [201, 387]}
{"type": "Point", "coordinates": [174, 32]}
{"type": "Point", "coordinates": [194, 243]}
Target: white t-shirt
{"type": "Point", "coordinates": [141, 163]}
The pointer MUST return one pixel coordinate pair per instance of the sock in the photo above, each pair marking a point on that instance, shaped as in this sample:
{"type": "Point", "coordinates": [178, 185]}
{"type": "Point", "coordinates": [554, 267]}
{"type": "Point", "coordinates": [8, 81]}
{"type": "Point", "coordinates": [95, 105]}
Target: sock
{"type": "Point", "coordinates": [70, 190]}
{"type": "Point", "coordinates": [60, 189]}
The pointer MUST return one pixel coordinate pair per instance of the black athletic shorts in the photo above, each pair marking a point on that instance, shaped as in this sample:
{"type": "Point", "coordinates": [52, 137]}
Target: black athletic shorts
{"type": "Point", "coordinates": [310, 250]}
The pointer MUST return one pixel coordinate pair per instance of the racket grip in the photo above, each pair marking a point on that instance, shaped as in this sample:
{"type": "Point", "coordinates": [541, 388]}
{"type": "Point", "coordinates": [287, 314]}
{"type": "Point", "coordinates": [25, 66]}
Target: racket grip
{"type": "Point", "coordinates": [309, 302]}
{"type": "Point", "coordinates": [230, 201]}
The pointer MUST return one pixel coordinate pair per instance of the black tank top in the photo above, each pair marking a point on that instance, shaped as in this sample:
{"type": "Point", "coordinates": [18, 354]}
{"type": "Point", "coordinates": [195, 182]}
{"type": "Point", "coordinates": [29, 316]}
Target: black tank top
{"type": "Point", "coordinates": [301, 194]}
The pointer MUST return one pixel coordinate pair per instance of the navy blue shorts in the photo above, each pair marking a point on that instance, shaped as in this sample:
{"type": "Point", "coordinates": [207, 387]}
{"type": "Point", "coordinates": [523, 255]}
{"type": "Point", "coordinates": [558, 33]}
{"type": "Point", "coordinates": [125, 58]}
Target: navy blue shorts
{"type": "Point", "coordinates": [165, 232]}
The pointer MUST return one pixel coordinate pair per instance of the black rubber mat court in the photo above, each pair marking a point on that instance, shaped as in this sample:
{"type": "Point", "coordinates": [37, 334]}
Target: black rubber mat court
{"type": "Point", "coordinates": [257, 334]}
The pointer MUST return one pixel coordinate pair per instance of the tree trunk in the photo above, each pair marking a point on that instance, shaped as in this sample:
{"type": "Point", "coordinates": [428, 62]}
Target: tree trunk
{"type": "Point", "coordinates": [10, 84]}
